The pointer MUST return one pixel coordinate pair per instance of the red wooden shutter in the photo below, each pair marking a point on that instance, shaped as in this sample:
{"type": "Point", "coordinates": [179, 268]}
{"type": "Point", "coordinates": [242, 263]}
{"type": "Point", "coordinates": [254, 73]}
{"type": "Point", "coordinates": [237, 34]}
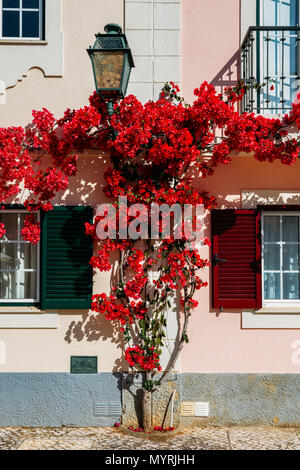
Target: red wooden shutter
{"type": "Point", "coordinates": [236, 239]}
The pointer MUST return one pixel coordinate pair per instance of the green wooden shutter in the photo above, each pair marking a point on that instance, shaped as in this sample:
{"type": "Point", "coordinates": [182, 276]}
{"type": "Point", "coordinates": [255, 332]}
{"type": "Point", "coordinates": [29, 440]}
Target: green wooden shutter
{"type": "Point", "coordinates": [66, 280]}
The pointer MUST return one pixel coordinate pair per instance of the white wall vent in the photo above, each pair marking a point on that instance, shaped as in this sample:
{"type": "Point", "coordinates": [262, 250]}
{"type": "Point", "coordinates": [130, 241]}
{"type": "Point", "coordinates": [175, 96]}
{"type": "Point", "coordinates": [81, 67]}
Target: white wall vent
{"type": "Point", "coordinates": [114, 409]}
{"type": "Point", "coordinates": [191, 408]}
{"type": "Point", "coordinates": [108, 409]}
{"type": "Point", "coordinates": [100, 409]}
{"type": "Point", "coordinates": [187, 408]}
{"type": "Point", "coordinates": [201, 408]}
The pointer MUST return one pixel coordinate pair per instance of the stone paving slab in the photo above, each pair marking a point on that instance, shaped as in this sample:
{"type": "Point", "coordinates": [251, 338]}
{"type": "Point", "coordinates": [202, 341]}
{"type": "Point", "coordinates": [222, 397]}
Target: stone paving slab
{"type": "Point", "coordinates": [56, 443]}
{"type": "Point", "coordinates": [208, 438]}
{"type": "Point", "coordinates": [258, 438]}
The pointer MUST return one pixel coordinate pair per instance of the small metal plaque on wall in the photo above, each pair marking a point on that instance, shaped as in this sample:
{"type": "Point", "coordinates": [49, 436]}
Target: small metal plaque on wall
{"type": "Point", "coordinates": [84, 364]}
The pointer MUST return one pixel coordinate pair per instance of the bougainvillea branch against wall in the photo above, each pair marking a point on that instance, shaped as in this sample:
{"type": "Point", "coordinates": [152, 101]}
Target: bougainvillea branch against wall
{"type": "Point", "coordinates": [154, 150]}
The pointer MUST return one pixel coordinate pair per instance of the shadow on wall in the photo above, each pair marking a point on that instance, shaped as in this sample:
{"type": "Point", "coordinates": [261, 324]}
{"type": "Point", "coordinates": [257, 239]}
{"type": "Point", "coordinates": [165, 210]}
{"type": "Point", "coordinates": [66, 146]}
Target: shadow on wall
{"type": "Point", "coordinates": [25, 74]}
{"type": "Point", "coordinates": [85, 189]}
{"type": "Point", "coordinates": [92, 328]}
{"type": "Point", "coordinates": [228, 74]}
{"type": "Point", "coordinates": [87, 186]}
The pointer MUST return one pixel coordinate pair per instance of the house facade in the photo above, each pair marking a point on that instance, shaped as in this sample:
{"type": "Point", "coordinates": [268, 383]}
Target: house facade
{"type": "Point", "coordinates": [242, 364]}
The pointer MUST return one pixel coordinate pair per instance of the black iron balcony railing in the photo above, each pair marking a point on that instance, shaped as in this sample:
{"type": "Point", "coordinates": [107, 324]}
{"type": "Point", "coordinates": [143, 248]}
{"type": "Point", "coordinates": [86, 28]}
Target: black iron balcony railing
{"type": "Point", "coordinates": [270, 68]}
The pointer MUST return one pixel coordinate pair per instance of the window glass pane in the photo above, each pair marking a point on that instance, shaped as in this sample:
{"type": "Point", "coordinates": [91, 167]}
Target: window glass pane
{"type": "Point", "coordinates": [291, 257]}
{"type": "Point", "coordinates": [291, 286]}
{"type": "Point", "coordinates": [30, 3]}
{"type": "Point", "coordinates": [28, 258]}
{"type": "Point", "coordinates": [271, 257]}
{"type": "Point", "coordinates": [290, 228]}
{"type": "Point", "coordinates": [272, 228]}
{"type": "Point", "coordinates": [11, 225]}
{"type": "Point", "coordinates": [11, 3]}
{"type": "Point", "coordinates": [31, 285]}
{"type": "Point", "coordinates": [27, 286]}
{"type": "Point", "coordinates": [8, 255]}
{"type": "Point", "coordinates": [11, 27]}
{"type": "Point", "coordinates": [279, 13]}
{"type": "Point", "coordinates": [30, 24]}
{"type": "Point", "coordinates": [272, 285]}
{"type": "Point", "coordinates": [288, 13]}
{"type": "Point", "coordinates": [17, 257]}
{"type": "Point", "coordinates": [269, 13]}
{"type": "Point", "coordinates": [8, 286]}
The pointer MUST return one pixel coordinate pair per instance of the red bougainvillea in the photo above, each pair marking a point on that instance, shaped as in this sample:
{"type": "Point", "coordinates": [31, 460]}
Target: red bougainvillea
{"type": "Point", "coordinates": [156, 149]}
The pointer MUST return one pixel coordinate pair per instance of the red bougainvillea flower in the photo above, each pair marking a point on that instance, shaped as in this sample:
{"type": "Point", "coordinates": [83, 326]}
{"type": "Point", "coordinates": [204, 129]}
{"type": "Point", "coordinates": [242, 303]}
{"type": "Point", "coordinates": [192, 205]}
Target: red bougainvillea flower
{"type": "Point", "coordinates": [2, 230]}
{"type": "Point", "coordinates": [31, 230]}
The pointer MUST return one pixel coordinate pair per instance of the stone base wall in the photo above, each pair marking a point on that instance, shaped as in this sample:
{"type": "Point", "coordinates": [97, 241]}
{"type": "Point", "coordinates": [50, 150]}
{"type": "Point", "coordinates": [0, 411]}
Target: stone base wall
{"type": "Point", "coordinates": [234, 399]}
{"type": "Point", "coordinates": [57, 399]}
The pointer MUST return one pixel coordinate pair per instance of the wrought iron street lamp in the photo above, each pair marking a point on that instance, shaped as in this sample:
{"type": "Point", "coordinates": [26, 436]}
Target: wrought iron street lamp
{"type": "Point", "coordinates": [112, 62]}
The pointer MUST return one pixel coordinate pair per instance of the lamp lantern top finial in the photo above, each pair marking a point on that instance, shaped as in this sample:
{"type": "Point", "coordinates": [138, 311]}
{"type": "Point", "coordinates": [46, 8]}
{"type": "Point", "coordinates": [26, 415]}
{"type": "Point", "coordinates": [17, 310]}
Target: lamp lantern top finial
{"type": "Point", "coordinates": [113, 28]}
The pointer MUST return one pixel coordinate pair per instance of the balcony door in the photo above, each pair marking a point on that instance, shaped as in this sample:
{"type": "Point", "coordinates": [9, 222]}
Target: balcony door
{"type": "Point", "coordinates": [278, 54]}
{"type": "Point", "coordinates": [279, 12]}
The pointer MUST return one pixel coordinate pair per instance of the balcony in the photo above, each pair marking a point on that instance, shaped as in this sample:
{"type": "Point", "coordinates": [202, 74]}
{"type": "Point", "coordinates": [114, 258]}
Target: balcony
{"type": "Point", "coordinates": [270, 68]}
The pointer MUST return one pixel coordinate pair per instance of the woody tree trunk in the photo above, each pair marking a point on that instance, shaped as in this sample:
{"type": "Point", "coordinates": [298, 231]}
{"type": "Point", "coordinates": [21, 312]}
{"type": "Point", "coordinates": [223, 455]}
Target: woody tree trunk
{"type": "Point", "coordinates": [147, 407]}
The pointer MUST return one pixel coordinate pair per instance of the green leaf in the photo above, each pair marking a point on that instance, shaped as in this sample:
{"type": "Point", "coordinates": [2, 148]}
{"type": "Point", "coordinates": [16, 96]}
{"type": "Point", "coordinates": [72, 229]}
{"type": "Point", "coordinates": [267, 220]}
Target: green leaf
{"type": "Point", "coordinates": [185, 338]}
{"type": "Point", "coordinates": [148, 385]}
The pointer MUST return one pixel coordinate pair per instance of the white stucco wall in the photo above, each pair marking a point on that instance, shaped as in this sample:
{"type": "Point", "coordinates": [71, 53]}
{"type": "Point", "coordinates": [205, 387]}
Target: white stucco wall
{"type": "Point", "coordinates": [19, 56]}
{"type": "Point", "coordinates": [55, 74]}
{"type": "Point", "coordinates": [153, 31]}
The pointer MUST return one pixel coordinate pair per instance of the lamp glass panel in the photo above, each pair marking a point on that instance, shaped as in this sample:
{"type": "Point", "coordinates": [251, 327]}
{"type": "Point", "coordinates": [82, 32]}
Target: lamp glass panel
{"type": "Point", "coordinates": [126, 74]}
{"type": "Point", "coordinates": [108, 66]}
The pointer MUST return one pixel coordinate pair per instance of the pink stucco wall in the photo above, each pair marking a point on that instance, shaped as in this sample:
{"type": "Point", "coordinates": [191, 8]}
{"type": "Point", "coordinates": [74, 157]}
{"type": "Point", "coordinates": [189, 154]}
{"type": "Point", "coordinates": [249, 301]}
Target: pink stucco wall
{"type": "Point", "coordinates": [210, 43]}
{"type": "Point", "coordinates": [210, 51]}
{"type": "Point", "coordinates": [217, 342]}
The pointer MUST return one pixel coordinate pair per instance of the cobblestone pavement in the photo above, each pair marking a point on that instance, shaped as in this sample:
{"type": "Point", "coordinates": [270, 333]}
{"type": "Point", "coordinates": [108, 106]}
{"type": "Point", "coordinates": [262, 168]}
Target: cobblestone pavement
{"type": "Point", "coordinates": [210, 438]}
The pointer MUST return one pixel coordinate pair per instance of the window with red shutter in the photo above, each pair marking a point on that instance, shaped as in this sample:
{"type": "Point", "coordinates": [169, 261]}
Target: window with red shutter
{"type": "Point", "coordinates": [236, 258]}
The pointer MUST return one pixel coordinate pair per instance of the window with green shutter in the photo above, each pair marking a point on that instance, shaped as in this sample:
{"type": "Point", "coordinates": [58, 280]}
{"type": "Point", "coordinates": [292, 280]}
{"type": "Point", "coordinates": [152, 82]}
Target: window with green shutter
{"type": "Point", "coordinates": [55, 273]}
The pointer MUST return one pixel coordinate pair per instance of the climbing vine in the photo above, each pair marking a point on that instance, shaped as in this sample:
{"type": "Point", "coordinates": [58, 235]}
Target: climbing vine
{"type": "Point", "coordinates": [156, 150]}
